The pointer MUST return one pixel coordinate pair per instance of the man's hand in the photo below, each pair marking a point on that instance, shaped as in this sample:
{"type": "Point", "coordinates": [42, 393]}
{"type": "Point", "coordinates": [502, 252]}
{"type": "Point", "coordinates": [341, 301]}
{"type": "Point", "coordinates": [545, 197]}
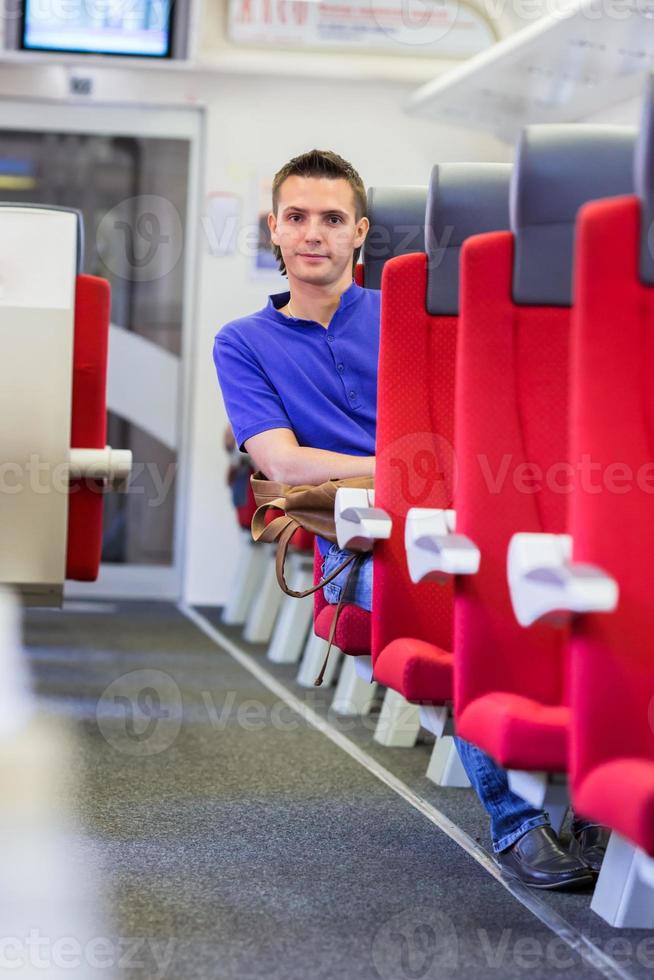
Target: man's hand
{"type": "Point", "coordinates": [279, 457]}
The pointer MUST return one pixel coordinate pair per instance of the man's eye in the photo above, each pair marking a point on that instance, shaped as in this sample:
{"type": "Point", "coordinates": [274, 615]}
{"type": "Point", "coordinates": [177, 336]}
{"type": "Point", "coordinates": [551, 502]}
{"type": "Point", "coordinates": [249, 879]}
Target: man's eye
{"type": "Point", "coordinates": [293, 216]}
{"type": "Point", "coordinates": [335, 217]}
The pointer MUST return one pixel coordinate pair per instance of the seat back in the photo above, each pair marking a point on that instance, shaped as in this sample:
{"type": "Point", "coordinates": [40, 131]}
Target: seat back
{"type": "Point", "coordinates": [88, 424]}
{"type": "Point", "coordinates": [611, 513]}
{"type": "Point", "coordinates": [40, 251]}
{"type": "Point", "coordinates": [415, 464]}
{"type": "Point", "coordinates": [397, 227]}
{"type": "Point", "coordinates": [512, 399]}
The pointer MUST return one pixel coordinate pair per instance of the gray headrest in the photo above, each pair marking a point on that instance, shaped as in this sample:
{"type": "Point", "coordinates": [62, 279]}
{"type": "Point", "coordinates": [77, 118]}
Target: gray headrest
{"type": "Point", "coordinates": [464, 199]}
{"type": "Point", "coordinates": [397, 227]}
{"type": "Point", "coordinates": [57, 207]}
{"type": "Point", "coordinates": [644, 184]}
{"type": "Point", "coordinates": [559, 168]}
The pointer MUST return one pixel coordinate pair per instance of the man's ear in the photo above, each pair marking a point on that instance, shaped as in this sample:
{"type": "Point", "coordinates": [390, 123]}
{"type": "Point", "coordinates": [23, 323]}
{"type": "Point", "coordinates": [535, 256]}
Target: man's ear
{"type": "Point", "coordinates": [272, 225]}
{"type": "Point", "coordinates": [362, 229]}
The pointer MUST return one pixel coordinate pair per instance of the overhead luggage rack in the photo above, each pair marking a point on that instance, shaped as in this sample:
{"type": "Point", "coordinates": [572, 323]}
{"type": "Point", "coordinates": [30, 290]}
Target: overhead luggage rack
{"type": "Point", "coordinates": [563, 68]}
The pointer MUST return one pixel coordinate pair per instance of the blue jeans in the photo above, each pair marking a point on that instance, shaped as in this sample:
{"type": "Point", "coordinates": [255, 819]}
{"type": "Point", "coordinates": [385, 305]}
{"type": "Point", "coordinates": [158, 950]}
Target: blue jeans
{"type": "Point", "coordinates": [510, 815]}
{"type": "Point", "coordinates": [359, 584]}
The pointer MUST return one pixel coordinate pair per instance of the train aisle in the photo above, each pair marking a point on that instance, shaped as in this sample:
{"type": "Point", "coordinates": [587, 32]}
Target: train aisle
{"type": "Point", "coordinates": [237, 838]}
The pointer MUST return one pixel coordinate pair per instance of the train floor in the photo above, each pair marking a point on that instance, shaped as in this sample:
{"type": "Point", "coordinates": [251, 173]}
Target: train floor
{"type": "Point", "coordinates": [238, 829]}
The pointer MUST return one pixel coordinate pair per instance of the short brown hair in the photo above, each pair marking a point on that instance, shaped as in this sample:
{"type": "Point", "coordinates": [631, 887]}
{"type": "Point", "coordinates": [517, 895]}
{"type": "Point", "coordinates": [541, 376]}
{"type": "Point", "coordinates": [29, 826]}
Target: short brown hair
{"type": "Point", "coordinates": [321, 163]}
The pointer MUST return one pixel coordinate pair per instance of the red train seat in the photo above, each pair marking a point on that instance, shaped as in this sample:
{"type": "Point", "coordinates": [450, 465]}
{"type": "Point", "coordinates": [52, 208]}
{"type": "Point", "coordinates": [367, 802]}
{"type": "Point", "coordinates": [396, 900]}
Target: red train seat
{"type": "Point", "coordinates": [612, 656]}
{"type": "Point", "coordinates": [412, 624]}
{"type": "Point", "coordinates": [88, 423]}
{"type": "Point", "coordinates": [352, 634]}
{"type": "Point", "coordinates": [511, 697]}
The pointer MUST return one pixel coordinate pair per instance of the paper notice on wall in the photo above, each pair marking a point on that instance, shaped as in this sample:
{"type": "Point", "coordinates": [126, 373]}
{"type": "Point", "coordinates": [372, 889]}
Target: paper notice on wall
{"type": "Point", "coordinates": [263, 262]}
{"type": "Point", "coordinates": [222, 223]}
{"type": "Point", "coordinates": [446, 28]}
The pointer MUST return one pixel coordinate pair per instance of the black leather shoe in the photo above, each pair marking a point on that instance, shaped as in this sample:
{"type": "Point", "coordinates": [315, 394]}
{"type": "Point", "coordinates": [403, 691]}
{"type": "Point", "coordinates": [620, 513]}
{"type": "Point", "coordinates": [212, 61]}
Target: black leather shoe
{"type": "Point", "coordinates": [588, 843]}
{"type": "Point", "coordinates": [537, 859]}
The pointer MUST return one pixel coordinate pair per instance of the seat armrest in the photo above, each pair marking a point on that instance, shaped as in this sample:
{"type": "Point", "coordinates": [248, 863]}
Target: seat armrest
{"type": "Point", "coordinates": [111, 465]}
{"type": "Point", "coordinates": [358, 522]}
{"type": "Point", "coordinates": [544, 582]}
{"type": "Point", "coordinates": [434, 552]}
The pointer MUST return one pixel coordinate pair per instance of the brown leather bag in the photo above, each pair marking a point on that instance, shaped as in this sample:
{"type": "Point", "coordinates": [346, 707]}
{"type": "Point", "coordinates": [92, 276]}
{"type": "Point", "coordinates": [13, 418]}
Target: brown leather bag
{"type": "Point", "coordinates": [308, 507]}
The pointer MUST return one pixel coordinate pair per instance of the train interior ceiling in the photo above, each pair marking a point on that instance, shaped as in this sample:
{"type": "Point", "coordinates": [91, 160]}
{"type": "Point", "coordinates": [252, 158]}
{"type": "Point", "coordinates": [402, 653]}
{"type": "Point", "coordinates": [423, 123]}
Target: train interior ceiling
{"type": "Point", "coordinates": [204, 777]}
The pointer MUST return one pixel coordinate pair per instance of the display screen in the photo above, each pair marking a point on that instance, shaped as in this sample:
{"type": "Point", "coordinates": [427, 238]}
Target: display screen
{"type": "Point", "coordinates": [121, 27]}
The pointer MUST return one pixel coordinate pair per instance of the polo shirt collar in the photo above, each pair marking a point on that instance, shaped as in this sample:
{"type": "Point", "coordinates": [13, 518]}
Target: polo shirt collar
{"type": "Point", "coordinates": [277, 300]}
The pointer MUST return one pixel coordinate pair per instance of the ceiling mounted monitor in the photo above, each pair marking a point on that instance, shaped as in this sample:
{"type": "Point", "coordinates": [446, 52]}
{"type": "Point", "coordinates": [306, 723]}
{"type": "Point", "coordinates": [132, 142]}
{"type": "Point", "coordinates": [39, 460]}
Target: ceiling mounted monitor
{"type": "Point", "coordinates": [136, 28]}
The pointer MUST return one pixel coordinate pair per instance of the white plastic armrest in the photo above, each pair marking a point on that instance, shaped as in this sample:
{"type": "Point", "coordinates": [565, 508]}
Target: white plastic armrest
{"type": "Point", "coordinates": [543, 580]}
{"type": "Point", "coordinates": [358, 522]}
{"type": "Point", "coordinates": [112, 465]}
{"type": "Point", "coordinates": [433, 551]}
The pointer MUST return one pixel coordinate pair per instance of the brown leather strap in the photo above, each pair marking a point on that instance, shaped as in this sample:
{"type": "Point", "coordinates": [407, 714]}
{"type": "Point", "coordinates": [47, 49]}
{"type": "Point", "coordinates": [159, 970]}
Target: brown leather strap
{"type": "Point", "coordinates": [269, 532]}
{"type": "Point", "coordinates": [280, 561]}
{"type": "Point", "coordinates": [332, 629]}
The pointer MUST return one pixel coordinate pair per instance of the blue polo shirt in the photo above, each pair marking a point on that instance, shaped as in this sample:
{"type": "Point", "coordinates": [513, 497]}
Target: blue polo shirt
{"type": "Point", "coordinates": [282, 373]}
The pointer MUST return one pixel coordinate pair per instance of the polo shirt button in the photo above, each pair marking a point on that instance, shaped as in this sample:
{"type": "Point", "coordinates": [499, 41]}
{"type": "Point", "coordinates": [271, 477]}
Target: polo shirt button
{"type": "Point", "coordinates": [353, 394]}
{"type": "Point", "coordinates": [340, 368]}
{"type": "Point", "coordinates": [330, 339]}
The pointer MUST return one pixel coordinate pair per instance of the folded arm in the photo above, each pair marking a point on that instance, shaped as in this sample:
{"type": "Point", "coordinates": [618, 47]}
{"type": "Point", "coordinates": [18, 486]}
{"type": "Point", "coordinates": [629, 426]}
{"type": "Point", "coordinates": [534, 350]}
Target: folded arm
{"type": "Point", "coordinates": [277, 454]}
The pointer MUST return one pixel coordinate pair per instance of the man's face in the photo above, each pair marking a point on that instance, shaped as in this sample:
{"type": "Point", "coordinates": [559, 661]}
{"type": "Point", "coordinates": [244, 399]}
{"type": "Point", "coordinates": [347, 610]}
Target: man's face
{"type": "Point", "coordinates": [316, 228]}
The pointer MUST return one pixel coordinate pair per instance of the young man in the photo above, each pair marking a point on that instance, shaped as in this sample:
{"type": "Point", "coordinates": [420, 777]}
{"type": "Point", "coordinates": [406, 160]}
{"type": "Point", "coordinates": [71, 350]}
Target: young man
{"type": "Point", "coordinates": [299, 380]}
